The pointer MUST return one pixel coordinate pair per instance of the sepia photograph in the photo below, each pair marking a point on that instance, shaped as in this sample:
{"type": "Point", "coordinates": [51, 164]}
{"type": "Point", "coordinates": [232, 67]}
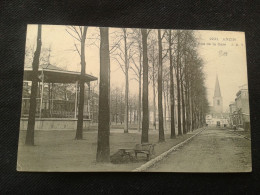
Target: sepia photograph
{"type": "Point", "coordinates": [106, 99]}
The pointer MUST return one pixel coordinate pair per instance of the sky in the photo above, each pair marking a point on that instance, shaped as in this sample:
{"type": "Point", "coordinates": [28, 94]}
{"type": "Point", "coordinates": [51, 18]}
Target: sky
{"type": "Point", "coordinates": [223, 54]}
{"type": "Point", "coordinates": [227, 59]}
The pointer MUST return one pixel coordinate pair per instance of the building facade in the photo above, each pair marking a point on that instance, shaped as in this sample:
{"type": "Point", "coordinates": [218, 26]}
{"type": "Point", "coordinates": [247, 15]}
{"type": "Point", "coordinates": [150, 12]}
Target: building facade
{"type": "Point", "coordinates": [239, 110]}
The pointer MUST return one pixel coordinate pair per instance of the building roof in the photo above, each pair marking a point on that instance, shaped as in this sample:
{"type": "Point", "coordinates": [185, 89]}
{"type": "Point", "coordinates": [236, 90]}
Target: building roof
{"type": "Point", "coordinates": [240, 91]}
{"type": "Point", "coordinates": [54, 74]}
{"type": "Point", "coordinates": [217, 92]}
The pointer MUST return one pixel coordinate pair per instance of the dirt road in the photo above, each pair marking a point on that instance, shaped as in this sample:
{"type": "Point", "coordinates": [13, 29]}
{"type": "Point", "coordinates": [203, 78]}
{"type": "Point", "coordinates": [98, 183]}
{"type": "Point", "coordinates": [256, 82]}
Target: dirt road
{"type": "Point", "coordinates": [213, 150]}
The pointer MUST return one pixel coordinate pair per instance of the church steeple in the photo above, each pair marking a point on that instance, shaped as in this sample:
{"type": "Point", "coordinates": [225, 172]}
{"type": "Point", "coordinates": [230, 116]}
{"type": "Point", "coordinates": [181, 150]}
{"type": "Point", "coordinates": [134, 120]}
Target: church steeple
{"type": "Point", "coordinates": [217, 99]}
{"type": "Point", "coordinates": [217, 92]}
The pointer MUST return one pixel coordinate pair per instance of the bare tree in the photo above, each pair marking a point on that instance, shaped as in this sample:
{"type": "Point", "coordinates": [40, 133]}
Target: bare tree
{"type": "Point", "coordinates": [123, 58]}
{"type": "Point", "coordinates": [154, 86]}
{"type": "Point", "coordinates": [183, 102]}
{"type": "Point", "coordinates": [32, 110]}
{"type": "Point", "coordinates": [160, 109]}
{"type": "Point", "coordinates": [29, 54]}
{"type": "Point", "coordinates": [165, 95]}
{"type": "Point", "coordinates": [153, 59]}
{"type": "Point", "coordinates": [79, 33]}
{"type": "Point", "coordinates": [137, 69]}
{"type": "Point", "coordinates": [103, 149]}
{"type": "Point", "coordinates": [178, 82]}
{"type": "Point", "coordinates": [145, 122]}
{"type": "Point", "coordinates": [171, 86]}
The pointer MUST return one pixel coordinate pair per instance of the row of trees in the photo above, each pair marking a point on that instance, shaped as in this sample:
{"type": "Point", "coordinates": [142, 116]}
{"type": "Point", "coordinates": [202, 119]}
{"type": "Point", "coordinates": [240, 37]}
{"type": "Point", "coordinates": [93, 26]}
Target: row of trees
{"type": "Point", "coordinates": [166, 59]}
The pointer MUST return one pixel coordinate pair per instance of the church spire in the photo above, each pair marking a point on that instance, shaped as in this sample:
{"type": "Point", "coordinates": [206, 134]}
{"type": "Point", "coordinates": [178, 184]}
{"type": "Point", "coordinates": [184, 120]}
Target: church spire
{"type": "Point", "coordinates": [217, 88]}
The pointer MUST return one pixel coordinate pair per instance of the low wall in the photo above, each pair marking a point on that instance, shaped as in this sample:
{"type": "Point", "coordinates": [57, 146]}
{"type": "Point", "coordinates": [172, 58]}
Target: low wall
{"type": "Point", "coordinates": [54, 124]}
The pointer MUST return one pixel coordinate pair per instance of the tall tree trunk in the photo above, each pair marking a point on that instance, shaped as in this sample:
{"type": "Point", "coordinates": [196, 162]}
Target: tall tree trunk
{"type": "Point", "coordinates": [145, 122]}
{"type": "Point", "coordinates": [121, 102]}
{"type": "Point", "coordinates": [160, 109]}
{"type": "Point", "coordinates": [183, 107]}
{"type": "Point", "coordinates": [203, 119]}
{"type": "Point", "coordinates": [79, 132]}
{"type": "Point", "coordinates": [154, 103]}
{"type": "Point", "coordinates": [178, 84]}
{"type": "Point", "coordinates": [172, 89]}
{"type": "Point", "coordinates": [109, 92]}
{"type": "Point", "coordinates": [193, 115]}
{"type": "Point", "coordinates": [103, 148]}
{"type": "Point", "coordinates": [139, 101]}
{"type": "Point", "coordinates": [186, 108]}
{"type": "Point", "coordinates": [126, 84]}
{"type": "Point", "coordinates": [191, 109]}
{"type": "Point", "coordinates": [187, 97]}
{"type": "Point", "coordinates": [165, 105]}
{"type": "Point", "coordinates": [198, 119]}
{"type": "Point", "coordinates": [116, 104]}
{"type": "Point", "coordinates": [32, 110]}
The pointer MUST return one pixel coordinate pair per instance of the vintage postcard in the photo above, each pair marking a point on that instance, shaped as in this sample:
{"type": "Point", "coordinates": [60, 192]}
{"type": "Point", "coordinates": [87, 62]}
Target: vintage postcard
{"type": "Point", "coordinates": [130, 99]}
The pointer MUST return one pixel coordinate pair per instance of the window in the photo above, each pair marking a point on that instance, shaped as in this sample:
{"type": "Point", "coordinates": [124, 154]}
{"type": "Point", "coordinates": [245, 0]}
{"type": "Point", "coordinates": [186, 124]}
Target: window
{"type": "Point", "coordinates": [218, 102]}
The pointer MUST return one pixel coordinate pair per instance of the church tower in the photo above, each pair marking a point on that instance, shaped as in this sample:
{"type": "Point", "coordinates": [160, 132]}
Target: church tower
{"type": "Point", "coordinates": [217, 99]}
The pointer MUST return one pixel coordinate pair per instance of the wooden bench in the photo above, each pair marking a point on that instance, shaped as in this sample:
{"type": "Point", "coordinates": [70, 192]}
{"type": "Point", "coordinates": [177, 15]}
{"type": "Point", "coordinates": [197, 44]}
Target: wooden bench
{"type": "Point", "coordinates": [146, 148]}
{"type": "Point", "coordinates": [126, 151]}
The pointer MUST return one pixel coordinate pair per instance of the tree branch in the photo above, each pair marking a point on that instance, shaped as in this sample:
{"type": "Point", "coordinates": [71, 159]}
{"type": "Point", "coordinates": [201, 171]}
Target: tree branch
{"type": "Point", "coordinates": [77, 49]}
{"type": "Point", "coordinates": [72, 35]}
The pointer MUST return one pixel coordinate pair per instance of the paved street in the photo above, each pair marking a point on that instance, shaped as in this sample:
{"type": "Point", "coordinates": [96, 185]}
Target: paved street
{"type": "Point", "coordinates": [213, 150]}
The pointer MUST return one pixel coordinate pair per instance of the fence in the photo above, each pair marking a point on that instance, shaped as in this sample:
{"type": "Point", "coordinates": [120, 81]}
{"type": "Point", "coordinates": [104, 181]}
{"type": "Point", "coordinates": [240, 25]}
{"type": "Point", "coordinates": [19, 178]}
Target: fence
{"type": "Point", "coordinates": [53, 108]}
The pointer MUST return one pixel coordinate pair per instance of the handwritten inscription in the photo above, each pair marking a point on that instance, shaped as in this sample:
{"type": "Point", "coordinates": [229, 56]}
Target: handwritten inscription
{"type": "Point", "coordinates": [222, 53]}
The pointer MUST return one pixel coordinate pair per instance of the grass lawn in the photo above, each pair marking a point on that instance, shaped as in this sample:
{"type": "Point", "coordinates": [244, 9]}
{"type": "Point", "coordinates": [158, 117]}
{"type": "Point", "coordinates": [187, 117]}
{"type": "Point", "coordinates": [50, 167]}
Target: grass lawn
{"type": "Point", "coordinates": [58, 151]}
